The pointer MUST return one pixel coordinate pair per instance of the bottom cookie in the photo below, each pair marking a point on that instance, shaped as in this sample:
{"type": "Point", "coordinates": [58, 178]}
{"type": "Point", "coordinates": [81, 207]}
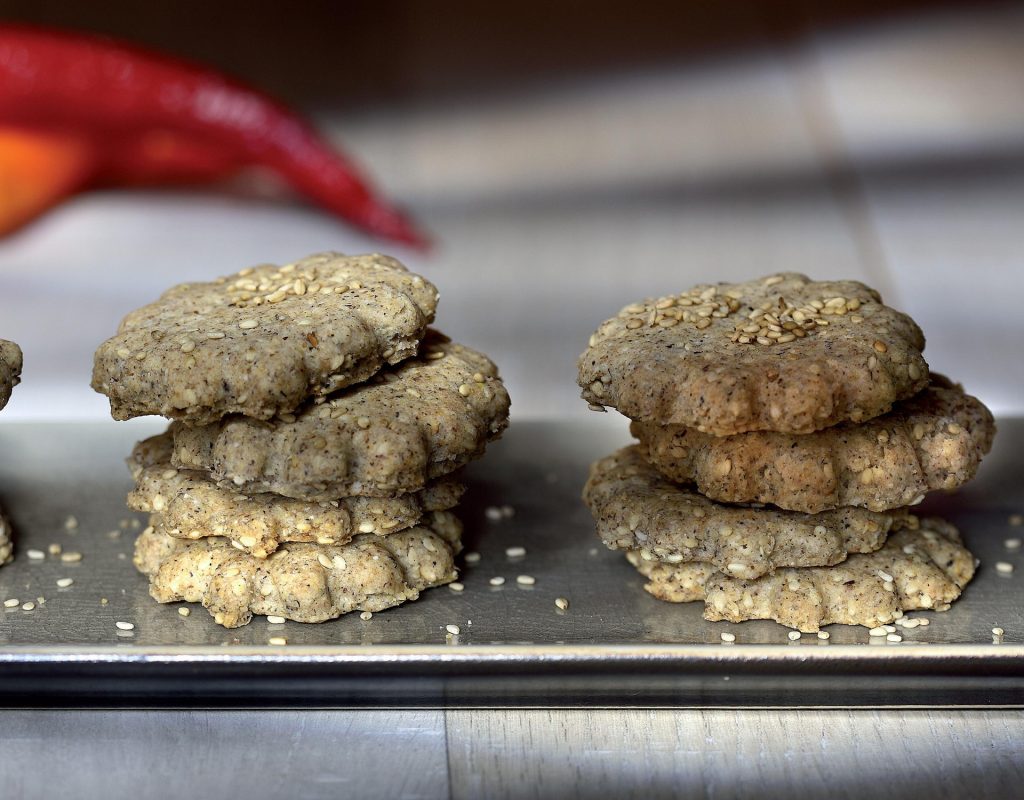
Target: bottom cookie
{"type": "Point", "coordinates": [923, 565]}
{"type": "Point", "coordinates": [300, 581]}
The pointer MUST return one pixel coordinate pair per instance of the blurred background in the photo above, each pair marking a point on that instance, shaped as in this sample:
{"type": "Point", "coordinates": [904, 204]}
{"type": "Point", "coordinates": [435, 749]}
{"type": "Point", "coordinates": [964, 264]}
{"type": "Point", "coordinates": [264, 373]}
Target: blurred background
{"type": "Point", "coordinates": [571, 157]}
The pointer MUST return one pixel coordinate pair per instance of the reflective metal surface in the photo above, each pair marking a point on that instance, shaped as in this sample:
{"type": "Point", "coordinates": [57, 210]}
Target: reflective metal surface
{"type": "Point", "coordinates": [614, 645]}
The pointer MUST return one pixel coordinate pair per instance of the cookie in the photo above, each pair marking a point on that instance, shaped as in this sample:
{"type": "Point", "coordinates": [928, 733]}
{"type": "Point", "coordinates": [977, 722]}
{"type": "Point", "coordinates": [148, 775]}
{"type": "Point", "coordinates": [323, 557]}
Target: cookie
{"type": "Point", "coordinates": [264, 340]}
{"type": "Point", "coordinates": [783, 353]}
{"type": "Point", "coordinates": [415, 423]}
{"type": "Point", "coordinates": [924, 567]}
{"type": "Point", "coordinates": [187, 505]}
{"type": "Point", "coordinates": [934, 440]}
{"type": "Point", "coordinates": [301, 582]}
{"type": "Point", "coordinates": [10, 369]}
{"type": "Point", "coordinates": [6, 540]}
{"type": "Point", "coordinates": [636, 508]}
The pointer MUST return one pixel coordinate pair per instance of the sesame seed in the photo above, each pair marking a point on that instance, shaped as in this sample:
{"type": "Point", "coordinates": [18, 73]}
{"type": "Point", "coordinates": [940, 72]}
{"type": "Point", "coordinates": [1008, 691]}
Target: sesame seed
{"type": "Point", "coordinates": [823, 634]}
{"type": "Point", "coordinates": [525, 580]}
{"type": "Point", "coordinates": [71, 523]}
{"type": "Point", "coordinates": [1016, 520]}
{"type": "Point", "coordinates": [325, 562]}
{"type": "Point", "coordinates": [561, 603]}
{"type": "Point", "coordinates": [278, 641]}
{"type": "Point", "coordinates": [885, 576]}
{"type": "Point", "coordinates": [125, 626]}
{"type": "Point", "coordinates": [464, 390]}
{"type": "Point", "coordinates": [879, 631]}
{"type": "Point", "coordinates": [28, 606]}
{"type": "Point", "coordinates": [70, 558]}
{"type": "Point", "coordinates": [273, 619]}
{"type": "Point", "coordinates": [1012, 544]}
{"type": "Point", "coordinates": [997, 631]}
{"type": "Point", "coordinates": [728, 637]}
{"type": "Point", "coordinates": [880, 346]}
{"type": "Point", "coordinates": [596, 407]}
{"type": "Point", "coordinates": [366, 616]}
{"type": "Point", "coordinates": [12, 603]}
{"type": "Point", "coordinates": [184, 611]}
{"type": "Point", "coordinates": [363, 422]}
{"type": "Point", "coordinates": [515, 552]}
{"type": "Point", "coordinates": [1004, 567]}
{"type": "Point", "coordinates": [493, 513]}
{"type": "Point", "coordinates": [232, 572]}
{"type": "Point", "coordinates": [456, 586]}
{"type": "Point", "coordinates": [472, 558]}
{"type": "Point", "coordinates": [248, 324]}
{"type": "Point", "coordinates": [454, 630]}
{"type": "Point", "coordinates": [497, 580]}
{"type": "Point", "coordinates": [54, 549]}
{"type": "Point", "coordinates": [794, 635]}
{"type": "Point", "coordinates": [64, 583]}
{"type": "Point", "coordinates": [215, 335]}
{"type": "Point", "coordinates": [893, 637]}
{"type": "Point", "coordinates": [953, 428]}
{"type": "Point", "coordinates": [103, 601]}
{"type": "Point", "coordinates": [35, 555]}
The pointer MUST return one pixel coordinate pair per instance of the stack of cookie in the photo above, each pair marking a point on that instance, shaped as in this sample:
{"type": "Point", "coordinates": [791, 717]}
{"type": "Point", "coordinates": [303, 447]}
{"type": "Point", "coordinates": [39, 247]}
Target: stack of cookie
{"type": "Point", "coordinates": [10, 376]}
{"type": "Point", "coordinates": [317, 426]}
{"type": "Point", "coordinates": [785, 426]}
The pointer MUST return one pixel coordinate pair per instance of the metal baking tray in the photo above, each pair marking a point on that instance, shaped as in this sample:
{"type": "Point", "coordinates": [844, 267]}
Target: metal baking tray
{"type": "Point", "coordinates": [615, 645]}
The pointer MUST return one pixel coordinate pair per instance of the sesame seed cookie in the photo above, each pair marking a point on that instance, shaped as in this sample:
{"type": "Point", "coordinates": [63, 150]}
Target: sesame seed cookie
{"type": "Point", "coordinates": [188, 505]}
{"type": "Point", "coordinates": [934, 440]}
{"type": "Point", "coordinates": [301, 582]}
{"type": "Point", "coordinates": [264, 340]}
{"type": "Point", "coordinates": [10, 369]}
{"type": "Point", "coordinates": [409, 425]}
{"type": "Point", "coordinates": [636, 508]}
{"type": "Point", "coordinates": [783, 353]}
{"type": "Point", "coordinates": [6, 540]}
{"type": "Point", "coordinates": [922, 566]}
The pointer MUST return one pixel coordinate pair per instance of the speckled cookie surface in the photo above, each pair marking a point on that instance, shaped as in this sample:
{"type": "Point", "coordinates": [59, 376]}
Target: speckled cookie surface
{"type": "Point", "coordinates": [782, 353]}
{"type": "Point", "coordinates": [6, 540]}
{"type": "Point", "coordinates": [187, 505]}
{"type": "Point", "coordinates": [301, 582]}
{"type": "Point", "coordinates": [415, 423]}
{"type": "Point", "coordinates": [934, 440]}
{"type": "Point", "coordinates": [10, 369]}
{"type": "Point", "coordinates": [264, 340]}
{"type": "Point", "coordinates": [924, 567]}
{"type": "Point", "coordinates": [638, 509]}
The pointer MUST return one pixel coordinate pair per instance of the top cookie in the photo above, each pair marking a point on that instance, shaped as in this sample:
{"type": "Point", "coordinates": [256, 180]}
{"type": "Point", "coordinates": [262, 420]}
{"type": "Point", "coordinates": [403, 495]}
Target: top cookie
{"type": "Point", "coordinates": [410, 425]}
{"type": "Point", "coordinates": [934, 440]}
{"type": "Point", "coordinates": [263, 341]}
{"type": "Point", "coordinates": [10, 369]}
{"type": "Point", "coordinates": [783, 353]}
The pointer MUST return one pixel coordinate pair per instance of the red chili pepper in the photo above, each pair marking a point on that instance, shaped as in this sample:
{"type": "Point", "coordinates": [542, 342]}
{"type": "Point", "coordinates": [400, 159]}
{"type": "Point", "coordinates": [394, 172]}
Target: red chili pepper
{"type": "Point", "coordinates": [149, 118]}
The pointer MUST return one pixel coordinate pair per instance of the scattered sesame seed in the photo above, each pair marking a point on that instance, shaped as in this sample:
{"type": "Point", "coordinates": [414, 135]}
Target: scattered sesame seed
{"type": "Point", "coordinates": [794, 635]}
{"type": "Point", "coordinates": [893, 637]}
{"type": "Point", "coordinates": [12, 603]}
{"type": "Point", "coordinates": [515, 552]}
{"type": "Point", "coordinates": [248, 324]}
{"type": "Point", "coordinates": [280, 641]}
{"type": "Point", "coordinates": [561, 603]}
{"type": "Point", "coordinates": [366, 527]}
{"type": "Point", "coordinates": [472, 558]}
{"type": "Point", "coordinates": [880, 346]}
{"type": "Point", "coordinates": [64, 583]}
{"type": "Point", "coordinates": [366, 616]}
{"type": "Point", "coordinates": [879, 631]}
{"type": "Point", "coordinates": [28, 606]}
{"type": "Point", "coordinates": [273, 619]}
{"type": "Point", "coordinates": [456, 586]}
{"type": "Point", "coordinates": [103, 601]}
{"type": "Point", "coordinates": [125, 626]}
{"type": "Point", "coordinates": [54, 549]}
{"type": "Point", "coordinates": [454, 630]}
{"type": "Point", "coordinates": [497, 580]}
{"type": "Point", "coordinates": [1004, 567]}
{"type": "Point", "coordinates": [325, 562]}
{"type": "Point", "coordinates": [188, 346]}
{"type": "Point", "coordinates": [35, 555]}
{"type": "Point", "coordinates": [728, 637]}
{"type": "Point", "coordinates": [998, 631]}
{"type": "Point", "coordinates": [525, 580]}
{"type": "Point", "coordinates": [885, 576]}
{"type": "Point", "coordinates": [71, 523]}
{"type": "Point", "coordinates": [823, 634]}
{"type": "Point", "coordinates": [464, 390]}
{"type": "Point", "coordinates": [493, 513]}
{"type": "Point", "coordinates": [1012, 544]}
{"type": "Point", "coordinates": [184, 611]}
{"type": "Point", "coordinates": [70, 558]}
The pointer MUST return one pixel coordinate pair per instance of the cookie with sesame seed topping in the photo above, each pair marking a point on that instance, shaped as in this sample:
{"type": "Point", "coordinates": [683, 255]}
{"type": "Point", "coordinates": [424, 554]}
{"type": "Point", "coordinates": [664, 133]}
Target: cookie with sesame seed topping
{"type": "Point", "coordinates": [636, 508]}
{"type": "Point", "coordinates": [263, 341]}
{"type": "Point", "coordinates": [10, 369]}
{"type": "Point", "coordinates": [409, 425]}
{"type": "Point", "coordinates": [188, 505]}
{"type": "Point", "coordinates": [783, 353]}
{"type": "Point", "coordinates": [301, 582]}
{"type": "Point", "coordinates": [934, 440]}
{"type": "Point", "coordinates": [6, 540]}
{"type": "Point", "coordinates": [923, 565]}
